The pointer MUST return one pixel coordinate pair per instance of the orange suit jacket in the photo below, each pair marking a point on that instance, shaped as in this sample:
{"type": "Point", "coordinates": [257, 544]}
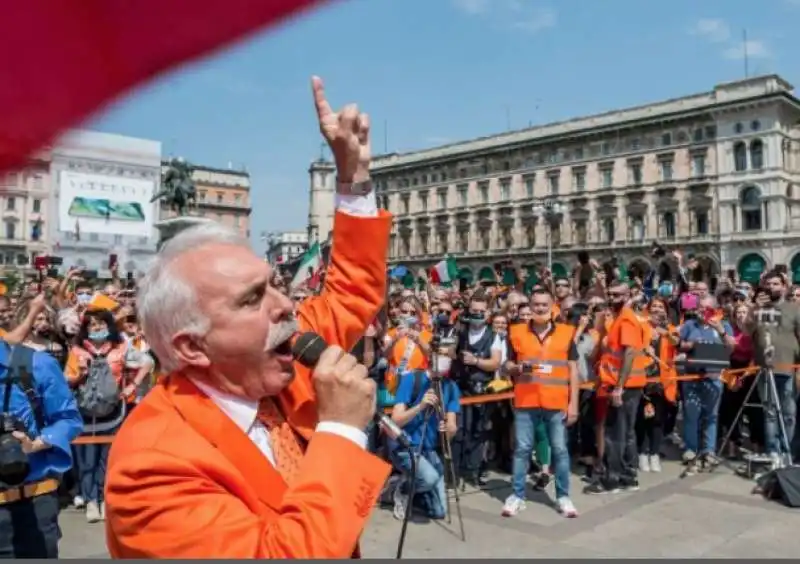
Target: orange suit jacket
{"type": "Point", "coordinates": [184, 481]}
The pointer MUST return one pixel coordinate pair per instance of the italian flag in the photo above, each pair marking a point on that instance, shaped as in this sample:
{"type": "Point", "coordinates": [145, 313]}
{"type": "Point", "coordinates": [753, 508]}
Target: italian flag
{"type": "Point", "coordinates": [444, 272]}
{"type": "Point", "coordinates": [310, 265]}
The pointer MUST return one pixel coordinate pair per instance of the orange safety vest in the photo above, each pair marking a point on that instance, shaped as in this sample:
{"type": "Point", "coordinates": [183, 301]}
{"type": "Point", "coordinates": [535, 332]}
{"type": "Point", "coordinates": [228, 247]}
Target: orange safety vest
{"type": "Point", "coordinates": [667, 371]}
{"type": "Point", "coordinates": [611, 354]}
{"type": "Point", "coordinates": [545, 380]}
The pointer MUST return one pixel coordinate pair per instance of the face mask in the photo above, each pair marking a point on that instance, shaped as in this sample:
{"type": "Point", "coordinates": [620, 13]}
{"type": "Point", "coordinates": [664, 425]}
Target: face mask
{"type": "Point", "coordinates": [410, 320]}
{"type": "Point", "coordinates": [98, 336]}
{"type": "Point", "coordinates": [84, 299]}
{"type": "Point", "coordinates": [476, 320]}
{"type": "Point", "coordinates": [443, 319]}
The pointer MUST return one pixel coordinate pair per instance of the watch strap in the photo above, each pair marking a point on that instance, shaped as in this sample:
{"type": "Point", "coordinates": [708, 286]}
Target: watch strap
{"type": "Point", "coordinates": [354, 188]}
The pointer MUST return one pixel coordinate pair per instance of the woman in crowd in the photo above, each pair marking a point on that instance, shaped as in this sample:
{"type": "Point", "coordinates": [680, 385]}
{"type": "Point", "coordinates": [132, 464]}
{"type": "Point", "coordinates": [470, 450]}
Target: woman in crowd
{"type": "Point", "coordinates": [43, 336]}
{"type": "Point", "coordinates": [98, 338]}
{"type": "Point", "coordinates": [407, 343]}
{"type": "Point", "coordinates": [657, 394]}
{"type": "Point", "coordinates": [737, 386]}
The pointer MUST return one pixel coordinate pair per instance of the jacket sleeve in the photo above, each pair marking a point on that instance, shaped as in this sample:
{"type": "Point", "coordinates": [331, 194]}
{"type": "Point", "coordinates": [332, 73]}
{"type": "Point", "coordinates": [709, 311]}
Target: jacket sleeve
{"type": "Point", "coordinates": [164, 506]}
{"type": "Point", "coordinates": [355, 281]}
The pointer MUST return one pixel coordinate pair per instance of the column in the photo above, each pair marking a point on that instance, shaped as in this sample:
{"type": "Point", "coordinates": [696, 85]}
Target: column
{"type": "Point", "coordinates": [592, 229]}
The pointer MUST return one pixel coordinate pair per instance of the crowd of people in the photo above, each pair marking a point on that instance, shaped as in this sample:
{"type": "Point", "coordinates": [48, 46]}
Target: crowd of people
{"type": "Point", "coordinates": [601, 370]}
{"type": "Point", "coordinates": [594, 371]}
{"type": "Point", "coordinates": [89, 328]}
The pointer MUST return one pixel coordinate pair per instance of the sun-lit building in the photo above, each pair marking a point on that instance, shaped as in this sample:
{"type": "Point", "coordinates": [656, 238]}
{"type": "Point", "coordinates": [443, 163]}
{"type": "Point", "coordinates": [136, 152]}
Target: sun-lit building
{"type": "Point", "coordinates": [716, 174]}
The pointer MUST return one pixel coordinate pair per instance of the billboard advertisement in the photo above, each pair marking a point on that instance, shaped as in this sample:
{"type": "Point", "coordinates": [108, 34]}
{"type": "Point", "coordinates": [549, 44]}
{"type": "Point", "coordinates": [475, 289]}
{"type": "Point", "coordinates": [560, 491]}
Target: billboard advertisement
{"type": "Point", "coordinates": [94, 203]}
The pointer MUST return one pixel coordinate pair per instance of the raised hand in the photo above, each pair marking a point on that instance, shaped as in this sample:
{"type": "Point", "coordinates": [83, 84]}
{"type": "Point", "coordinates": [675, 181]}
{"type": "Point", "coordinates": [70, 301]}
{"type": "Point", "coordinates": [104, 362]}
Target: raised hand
{"type": "Point", "coordinates": [347, 134]}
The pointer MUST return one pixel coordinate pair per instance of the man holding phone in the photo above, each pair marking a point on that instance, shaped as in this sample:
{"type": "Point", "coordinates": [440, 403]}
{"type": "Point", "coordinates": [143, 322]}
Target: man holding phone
{"type": "Point", "coordinates": [701, 397]}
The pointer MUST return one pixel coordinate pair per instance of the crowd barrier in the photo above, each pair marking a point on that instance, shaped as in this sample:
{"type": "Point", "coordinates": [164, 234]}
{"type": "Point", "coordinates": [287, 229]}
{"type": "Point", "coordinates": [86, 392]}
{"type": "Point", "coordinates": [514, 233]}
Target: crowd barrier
{"type": "Point", "coordinates": [728, 376]}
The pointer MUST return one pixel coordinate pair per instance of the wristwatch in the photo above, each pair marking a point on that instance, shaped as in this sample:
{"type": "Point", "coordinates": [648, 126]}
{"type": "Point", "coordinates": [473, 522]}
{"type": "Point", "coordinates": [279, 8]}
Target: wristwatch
{"type": "Point", "coordinates": [361, 188]}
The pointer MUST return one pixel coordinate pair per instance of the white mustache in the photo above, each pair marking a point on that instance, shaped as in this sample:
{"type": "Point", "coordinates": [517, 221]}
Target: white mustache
{"type": "Point", "coordinates": [280, 333]}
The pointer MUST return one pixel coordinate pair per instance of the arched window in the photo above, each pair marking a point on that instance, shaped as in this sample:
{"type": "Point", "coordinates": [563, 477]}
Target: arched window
{"type": "Point", "coordinates": [750, 202]}
{"type": "Point", "coordinates": [740, 156]}
{"type": "Point", "coordinates": [757, 154]}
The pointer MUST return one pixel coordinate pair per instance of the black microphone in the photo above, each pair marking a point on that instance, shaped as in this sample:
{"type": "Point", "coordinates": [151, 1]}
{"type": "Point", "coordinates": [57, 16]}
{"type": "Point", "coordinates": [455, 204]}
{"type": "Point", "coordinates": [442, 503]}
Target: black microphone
{"type": "Point", "coordinates": [308, 347]}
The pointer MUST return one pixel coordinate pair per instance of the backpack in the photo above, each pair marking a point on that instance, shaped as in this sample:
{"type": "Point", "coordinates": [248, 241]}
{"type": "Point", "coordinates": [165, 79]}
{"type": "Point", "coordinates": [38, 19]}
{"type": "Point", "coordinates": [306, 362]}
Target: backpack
{"type": "Point", "coordinates": [99, 394]}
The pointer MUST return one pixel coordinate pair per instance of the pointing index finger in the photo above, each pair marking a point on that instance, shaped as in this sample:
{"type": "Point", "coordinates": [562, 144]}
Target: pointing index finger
{"type": "Point", "coordinates": [323, 107]}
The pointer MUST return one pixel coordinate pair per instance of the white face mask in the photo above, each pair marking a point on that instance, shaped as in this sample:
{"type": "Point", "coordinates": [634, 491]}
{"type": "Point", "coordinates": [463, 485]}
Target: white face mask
{"type": "Point", "coordinates": [443, 364]}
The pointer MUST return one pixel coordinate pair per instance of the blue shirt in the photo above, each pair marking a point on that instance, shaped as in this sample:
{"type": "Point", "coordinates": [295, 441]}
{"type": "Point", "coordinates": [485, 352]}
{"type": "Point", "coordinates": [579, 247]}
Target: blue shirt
{"type": "Point", "coordinates": [452, 404]}
{"type": "Point", "coordinates": [694, 332]}
{"type": "Point", "coordinates": [62, 420]}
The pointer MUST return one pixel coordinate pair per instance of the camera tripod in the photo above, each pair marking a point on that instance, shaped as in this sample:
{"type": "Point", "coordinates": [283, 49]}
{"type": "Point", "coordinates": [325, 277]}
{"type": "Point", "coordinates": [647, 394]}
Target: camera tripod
{"type": "Point", "coordinates": [771, 401]}
{"type": "Point", "coordinates": [450, 474]}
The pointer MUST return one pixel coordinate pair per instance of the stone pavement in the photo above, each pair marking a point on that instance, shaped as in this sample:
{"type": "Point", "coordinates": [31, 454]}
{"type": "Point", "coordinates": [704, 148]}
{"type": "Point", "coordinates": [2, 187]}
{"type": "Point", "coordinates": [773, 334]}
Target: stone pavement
{"type": "Point", "coordinates": [707, 515]}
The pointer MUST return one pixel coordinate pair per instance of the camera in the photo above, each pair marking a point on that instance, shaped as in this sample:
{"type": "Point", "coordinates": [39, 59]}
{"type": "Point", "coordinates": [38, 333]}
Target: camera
{"type": "Point", "coordinates": [14, 463]}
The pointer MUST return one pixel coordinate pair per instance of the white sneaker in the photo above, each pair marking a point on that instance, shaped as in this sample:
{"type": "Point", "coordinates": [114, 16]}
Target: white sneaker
{"type": "Point", "coordinates": [644, 463]}
{"type": "Point", "coordinates": [93, 512]}
{"type": "Point", "coordinates": [78, 502]}
{"type": "Point", "coordinates": [513, 506]}
{"type": "Point", "coordinates": [566, 507]}
{"type": "Point", "coordinates": [400, 501]}
{"type": "Point", "coordinates": [102, 510]}
{"type": "Point", "coordinates": [655, 463]}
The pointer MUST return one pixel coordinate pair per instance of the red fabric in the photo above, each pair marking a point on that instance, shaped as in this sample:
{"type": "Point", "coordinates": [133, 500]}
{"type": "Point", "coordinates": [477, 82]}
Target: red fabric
{"type": "Point", "coordinates": [64, 59]}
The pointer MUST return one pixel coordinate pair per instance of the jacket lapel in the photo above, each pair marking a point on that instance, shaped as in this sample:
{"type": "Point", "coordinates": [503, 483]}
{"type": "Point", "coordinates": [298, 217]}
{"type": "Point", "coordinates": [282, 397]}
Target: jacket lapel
{"type": "Point", "coordinates": [209, 421]}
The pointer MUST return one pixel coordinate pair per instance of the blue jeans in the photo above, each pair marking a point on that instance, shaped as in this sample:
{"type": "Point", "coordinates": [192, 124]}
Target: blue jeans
{"type": "Point", "coordinates": [785, 385]}
{"type": "Point", "coordinates": [91, 464]}
{"type": "Point", "coordinates": [701, 399]}
{"type": "Point", "coordinates": [429, 491]}
{"type": "Point", "coordinates": [525, 421]}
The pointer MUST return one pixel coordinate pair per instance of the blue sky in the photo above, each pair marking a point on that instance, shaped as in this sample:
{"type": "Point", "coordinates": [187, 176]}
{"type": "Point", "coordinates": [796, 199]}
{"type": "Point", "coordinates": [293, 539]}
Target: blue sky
{"type": "Point", "coordinates": [435, 71]}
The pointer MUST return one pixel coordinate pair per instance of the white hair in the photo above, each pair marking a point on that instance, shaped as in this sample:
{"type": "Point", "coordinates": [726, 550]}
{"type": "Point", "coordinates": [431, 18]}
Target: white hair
{"type": "Point", "coordinates": [167, 302]}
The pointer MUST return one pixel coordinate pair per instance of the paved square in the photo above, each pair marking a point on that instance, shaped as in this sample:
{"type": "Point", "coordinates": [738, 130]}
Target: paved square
{"type": "Point", "coordinates": [708, 515]}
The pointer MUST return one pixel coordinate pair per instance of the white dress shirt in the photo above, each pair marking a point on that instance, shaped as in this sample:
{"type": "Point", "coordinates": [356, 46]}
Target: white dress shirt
{"type": "Point", "coordinates": [243, 412]}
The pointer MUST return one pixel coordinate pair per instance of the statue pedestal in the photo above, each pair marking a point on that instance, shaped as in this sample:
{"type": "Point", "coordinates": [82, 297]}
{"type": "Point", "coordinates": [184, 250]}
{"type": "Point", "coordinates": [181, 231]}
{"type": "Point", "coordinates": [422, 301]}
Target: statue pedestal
{"type": "Point", "coordinates": [168, 228]}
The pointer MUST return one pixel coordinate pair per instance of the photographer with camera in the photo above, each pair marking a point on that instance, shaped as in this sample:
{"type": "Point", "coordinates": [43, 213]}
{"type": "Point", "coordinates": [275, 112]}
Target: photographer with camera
{"type": "Point", "coordinates": [39, 421]}
{"type": "Point", "coordinates": [473, 368]}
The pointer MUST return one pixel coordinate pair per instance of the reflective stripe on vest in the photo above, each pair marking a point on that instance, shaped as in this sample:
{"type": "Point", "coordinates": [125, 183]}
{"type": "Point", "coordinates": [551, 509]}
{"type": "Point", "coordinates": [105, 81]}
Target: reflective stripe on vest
{"type": "Point", "coordinates": [544, 382]}
{"type": "Point", "coordinates": [610, 362]}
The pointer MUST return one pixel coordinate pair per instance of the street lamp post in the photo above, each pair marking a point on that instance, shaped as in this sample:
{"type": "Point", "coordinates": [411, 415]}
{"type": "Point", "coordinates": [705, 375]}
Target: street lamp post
{"type": "Point", "coordinates": [550, 210]}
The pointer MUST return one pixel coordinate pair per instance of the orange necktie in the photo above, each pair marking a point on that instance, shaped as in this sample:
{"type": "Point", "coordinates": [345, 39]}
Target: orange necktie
{"type": "Point", "coordinates": [285, 443]}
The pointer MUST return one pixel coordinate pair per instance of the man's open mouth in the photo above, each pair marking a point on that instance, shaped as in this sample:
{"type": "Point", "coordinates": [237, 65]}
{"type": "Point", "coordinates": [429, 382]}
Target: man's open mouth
{"type": "Point", "coordinates": [285, 348]}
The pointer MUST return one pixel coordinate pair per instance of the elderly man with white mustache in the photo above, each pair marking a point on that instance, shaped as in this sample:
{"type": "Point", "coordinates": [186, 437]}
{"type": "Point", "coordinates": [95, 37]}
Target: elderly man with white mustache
{"type": "Point", "coordinates": [240, 452]}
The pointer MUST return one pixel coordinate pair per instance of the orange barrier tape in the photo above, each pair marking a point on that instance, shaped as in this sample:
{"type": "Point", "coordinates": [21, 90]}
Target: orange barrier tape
{"type": "Point", "coordinates": [503, 396]}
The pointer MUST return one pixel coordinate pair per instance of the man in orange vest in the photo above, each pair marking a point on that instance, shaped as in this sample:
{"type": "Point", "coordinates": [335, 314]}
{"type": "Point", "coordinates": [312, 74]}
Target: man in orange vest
{"type": "Point", "coordinates": [543, 362]}
{"type": "Point", "coordinates": [622, 373]}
